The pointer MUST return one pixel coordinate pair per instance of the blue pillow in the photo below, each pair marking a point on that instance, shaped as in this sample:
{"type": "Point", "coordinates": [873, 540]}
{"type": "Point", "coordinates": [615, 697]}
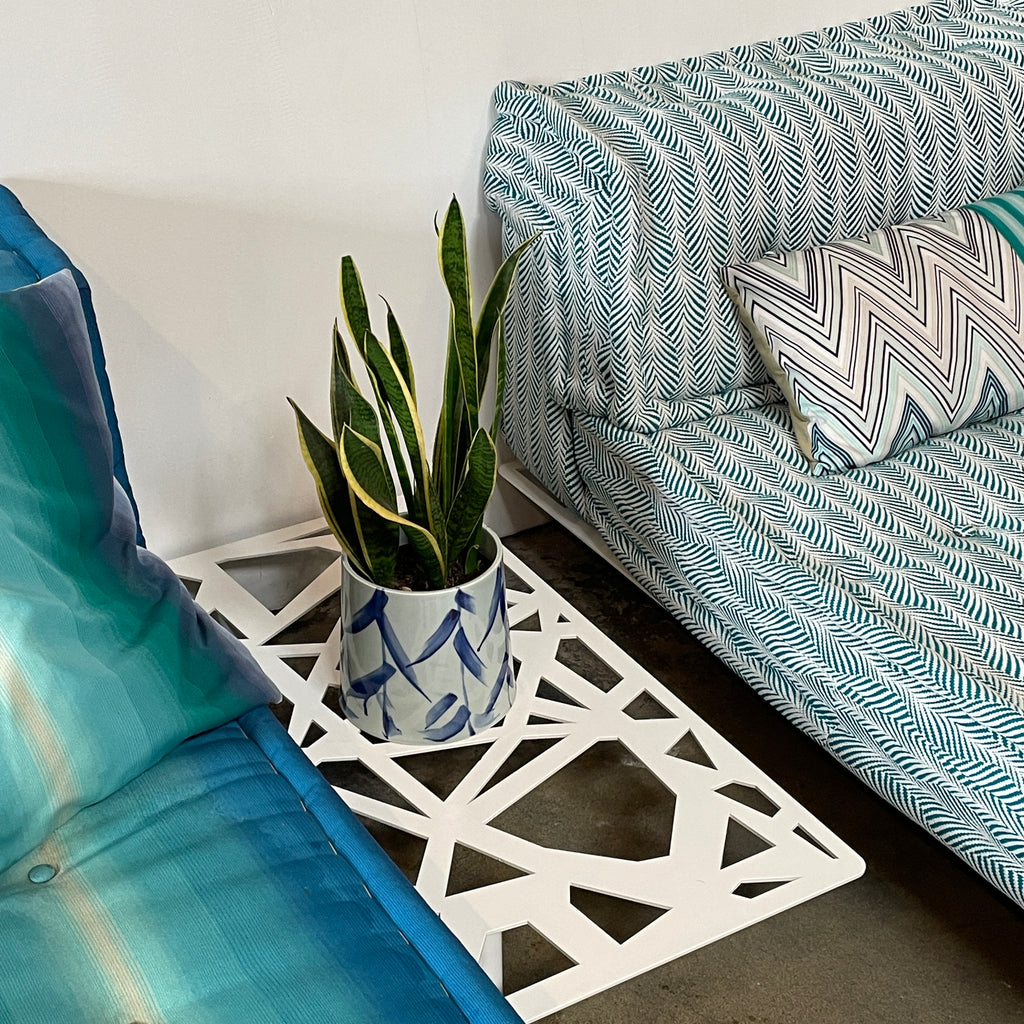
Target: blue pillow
{"type": "Point", "coordinates": [106, 663]}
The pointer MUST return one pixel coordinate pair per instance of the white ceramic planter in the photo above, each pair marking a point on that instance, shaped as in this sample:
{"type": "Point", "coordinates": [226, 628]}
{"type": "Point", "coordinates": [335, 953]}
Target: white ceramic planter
{"type": "Point", "coordinates": [430, 666]}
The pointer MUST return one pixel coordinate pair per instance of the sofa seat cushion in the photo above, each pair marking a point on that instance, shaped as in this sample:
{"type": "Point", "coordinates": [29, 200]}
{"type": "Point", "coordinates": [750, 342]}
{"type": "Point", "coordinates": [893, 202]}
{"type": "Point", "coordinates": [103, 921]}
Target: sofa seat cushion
{"type": "Point", "coordinates": [882, 609]}
{"type": "Point", "coordinates": [204, 891]}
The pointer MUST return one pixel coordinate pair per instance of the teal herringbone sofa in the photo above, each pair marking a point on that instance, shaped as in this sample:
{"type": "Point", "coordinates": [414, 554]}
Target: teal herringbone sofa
{"type": "Point", "coordinates": [881, 608]}
{"type": "Point", "coordinates": [167, 853]}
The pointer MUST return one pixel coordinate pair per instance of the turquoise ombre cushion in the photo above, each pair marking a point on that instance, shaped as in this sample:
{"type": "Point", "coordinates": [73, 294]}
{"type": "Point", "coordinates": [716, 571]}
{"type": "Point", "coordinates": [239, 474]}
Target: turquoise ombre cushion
{"type": "Point", "coordinates": [106, 663]}
{"type": "Point", "coordinates": [205, 892]}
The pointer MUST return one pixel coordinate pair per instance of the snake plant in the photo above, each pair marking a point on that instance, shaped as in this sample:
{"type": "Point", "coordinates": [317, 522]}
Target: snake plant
{"type": "Point", "coordinates": [444, 494]}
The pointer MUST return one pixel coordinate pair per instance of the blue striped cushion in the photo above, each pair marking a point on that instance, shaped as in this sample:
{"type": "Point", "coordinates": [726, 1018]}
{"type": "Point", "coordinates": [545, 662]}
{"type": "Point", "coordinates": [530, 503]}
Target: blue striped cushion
{"type": "Point", "coordinates": [105, 661]}
{"type": "Point", "coordinates": [205, 892]}
{"type": "Point", "coordinates": [900, 334]}
{"type": "Point", "coordinates": [881, 609]}
{"type": "Point", "coordinates": [647, 182]}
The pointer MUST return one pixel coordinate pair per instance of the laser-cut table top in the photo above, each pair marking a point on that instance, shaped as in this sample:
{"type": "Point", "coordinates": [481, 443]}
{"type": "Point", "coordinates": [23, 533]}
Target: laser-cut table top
{"type": "Point", "coordinates": [602, 822]}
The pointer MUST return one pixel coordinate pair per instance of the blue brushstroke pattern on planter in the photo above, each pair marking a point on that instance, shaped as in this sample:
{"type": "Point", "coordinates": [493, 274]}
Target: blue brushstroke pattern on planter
{"type": "Point", "coordinates": [459, 679]}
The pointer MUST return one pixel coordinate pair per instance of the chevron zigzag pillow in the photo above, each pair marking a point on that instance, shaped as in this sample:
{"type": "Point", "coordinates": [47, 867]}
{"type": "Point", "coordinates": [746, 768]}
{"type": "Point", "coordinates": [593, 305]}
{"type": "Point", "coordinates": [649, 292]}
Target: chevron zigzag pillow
{"type": "Point", "coordinates": [905, 333]}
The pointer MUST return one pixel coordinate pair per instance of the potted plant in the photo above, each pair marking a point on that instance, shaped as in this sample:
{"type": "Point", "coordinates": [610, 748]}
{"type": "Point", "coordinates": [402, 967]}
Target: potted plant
{"type": "Point", "coordinates": [425, 653]}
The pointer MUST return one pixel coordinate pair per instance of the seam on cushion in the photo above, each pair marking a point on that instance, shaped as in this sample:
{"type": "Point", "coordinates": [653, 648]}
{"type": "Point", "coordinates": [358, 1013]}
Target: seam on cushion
{"type": "Point", "coordinates": [483, 1012]}
{"type": "Point", "coordinates": [451, 1000]}
{"type": "Point", "coordinates": [302, 803]}
{"type": "Point", "coordinates": [20, 253]}
{"type": "Point", "coordinates": [330, 841]}
{"type": "Point", "coordinates": [373, 897]}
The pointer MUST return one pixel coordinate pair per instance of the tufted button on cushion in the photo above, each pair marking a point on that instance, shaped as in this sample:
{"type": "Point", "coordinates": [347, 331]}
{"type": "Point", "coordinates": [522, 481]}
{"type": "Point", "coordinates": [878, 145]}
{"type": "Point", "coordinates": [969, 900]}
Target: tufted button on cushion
{"type": "Point", "coordinates": [42, 873]}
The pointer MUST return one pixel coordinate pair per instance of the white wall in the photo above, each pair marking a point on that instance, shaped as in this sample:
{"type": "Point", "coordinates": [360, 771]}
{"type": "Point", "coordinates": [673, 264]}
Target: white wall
{"type": "Point", "coordinates": [207, 164]}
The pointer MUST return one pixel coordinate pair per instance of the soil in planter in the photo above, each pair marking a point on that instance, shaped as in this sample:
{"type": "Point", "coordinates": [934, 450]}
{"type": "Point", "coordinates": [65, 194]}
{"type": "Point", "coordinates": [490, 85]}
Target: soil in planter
{"type": "Point", "coordinates": [409, 576]}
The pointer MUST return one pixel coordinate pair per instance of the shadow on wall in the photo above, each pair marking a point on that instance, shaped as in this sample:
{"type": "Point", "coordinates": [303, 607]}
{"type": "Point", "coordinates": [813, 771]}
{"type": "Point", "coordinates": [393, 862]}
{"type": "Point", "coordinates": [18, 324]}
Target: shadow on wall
{"type": "Point", "coordinates": [210, 315]}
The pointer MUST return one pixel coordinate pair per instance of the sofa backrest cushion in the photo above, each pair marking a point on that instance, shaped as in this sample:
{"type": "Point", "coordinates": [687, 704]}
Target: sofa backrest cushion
{"type": "Point", "coordinates": [106, 663]}
{"type": "Point", "coordinates": [647, 182]}
{"type": "Point", "coordinates": [27, 255]}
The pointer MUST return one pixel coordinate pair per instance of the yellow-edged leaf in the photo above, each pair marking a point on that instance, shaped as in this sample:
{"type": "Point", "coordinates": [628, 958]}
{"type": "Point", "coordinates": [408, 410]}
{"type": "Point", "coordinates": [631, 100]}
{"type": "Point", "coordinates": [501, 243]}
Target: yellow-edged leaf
{"type": "Point", "coordinates": [423, 541]}
{"type": "Point", "coordinates": [332, 488]}
{"type": "Point", "coordinates": [365, 471]}
{"type": "Point", "coordinates": [353, 302]}
{"type": "Point", "coordinates": [475, 490]}
{"type": "Point", "coordinates": [403, 407]}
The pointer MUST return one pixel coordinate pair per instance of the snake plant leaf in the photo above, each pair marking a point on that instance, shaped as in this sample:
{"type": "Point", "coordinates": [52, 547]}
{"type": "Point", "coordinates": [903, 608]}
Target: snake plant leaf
{"type": "Point", "coordinates": [446, 490]}
{"type": "Point", "coordinates": [353, 302]}
{"type": "Point", "coordinates": [321, 458]}
{"type": "Point", "coordinates": [357, 316]}
{"type": "Point", "coordinates": [400, 352]}
{"type": "Point", "coordinates": [362, 462]}
{"type": "Point", "coordinates": [454, 260]}
{"type": "Point", "coordinates": [441, 536]}
{"type": "Point", "coordinates": [387, 421]}
{"type": "Point", "coordinates": [501, 378]}
{"type": "Point", "coordinates": [495, 300]}
{"type": "Point", "coordinates": [340, 350]}
{"type": "Point", "coordinates": [429, 552]}
{"type": "Point", "coordinates": [402, 407]}
{"type": "Point", "coordinates": [449, 428]}
{"type": "Point", "coordinates": [372, 486]}
{"type": "Point", "coordinates": [474, 492]}
{"type": "Point", "coordinates": [348, 406]}
{"type": "Point", "coordinates": [426, 546]}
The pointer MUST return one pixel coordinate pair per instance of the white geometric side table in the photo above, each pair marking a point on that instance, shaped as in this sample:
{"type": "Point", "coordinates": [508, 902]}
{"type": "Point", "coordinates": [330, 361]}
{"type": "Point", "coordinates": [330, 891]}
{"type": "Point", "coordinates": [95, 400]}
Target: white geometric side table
{"type": "Point", "coordinates": [602, 829]}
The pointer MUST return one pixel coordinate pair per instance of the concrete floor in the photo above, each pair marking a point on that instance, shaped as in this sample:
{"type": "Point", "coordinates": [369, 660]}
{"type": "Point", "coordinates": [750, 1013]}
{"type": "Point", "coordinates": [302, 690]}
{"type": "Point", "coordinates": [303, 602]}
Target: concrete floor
{"type": "Point", "coordinates": [919, 939]}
